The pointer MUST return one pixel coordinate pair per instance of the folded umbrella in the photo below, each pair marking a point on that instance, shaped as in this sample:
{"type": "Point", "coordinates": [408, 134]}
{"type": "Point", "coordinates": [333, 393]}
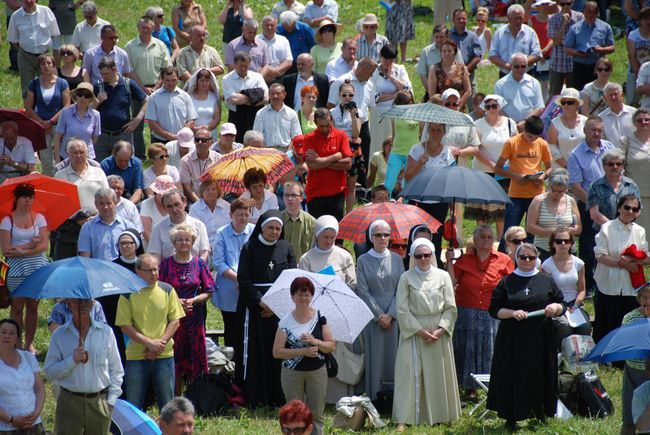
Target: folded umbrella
{"type": "Point", "coordinates": [346, 313]}
{"type": "Point", "coordinates": [228, 171]}
{"type": "Point", "coordinates": [631, 341]}
{"type": "Point", "coordinates": [400, 217]}
{"type": "Point", "coordinates": [53, 198]}
{"type": "Point", "coordinates": [27, 127]}
{"type": "Point", "coordinates": [129, 420]}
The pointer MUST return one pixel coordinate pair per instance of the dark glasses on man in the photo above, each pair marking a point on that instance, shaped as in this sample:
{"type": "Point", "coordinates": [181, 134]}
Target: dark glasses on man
{"type": "Point", "coordinates": [524, 257]}
{"type": "Point", "coordinates": [202, 139]}
{"type": "Point", "coordinates": [629, 207]}
{"type": "Point", "coordinates": [421, 256]}
{"type": "Point", "coordinates": [612, 164]}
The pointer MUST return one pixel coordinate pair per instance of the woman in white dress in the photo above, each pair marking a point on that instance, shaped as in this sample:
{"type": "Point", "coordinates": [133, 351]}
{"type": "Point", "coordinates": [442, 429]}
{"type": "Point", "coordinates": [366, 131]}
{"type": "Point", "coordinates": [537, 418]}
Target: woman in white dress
{"type": "Point", "coordinates": [204, 91]}
{"type": "Point", "coordinates": [567, 130]}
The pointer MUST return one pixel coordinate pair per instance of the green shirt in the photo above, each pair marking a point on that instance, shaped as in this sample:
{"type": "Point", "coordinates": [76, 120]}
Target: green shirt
{"type": "Point", "coordinates": [299, 232]}
{"type": "Point", "coordinates": [631, 317]}
{"type": "Point", "coordinates": [146, 61]}
{"type": "Point", "coordinates": [407, 134]}
{"type": "Point", "coordinates": [322, 55]}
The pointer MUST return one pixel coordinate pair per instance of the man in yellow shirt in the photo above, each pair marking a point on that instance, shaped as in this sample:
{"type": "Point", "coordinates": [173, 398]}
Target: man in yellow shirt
{"type": "Point", "coordinates": [150, 320]}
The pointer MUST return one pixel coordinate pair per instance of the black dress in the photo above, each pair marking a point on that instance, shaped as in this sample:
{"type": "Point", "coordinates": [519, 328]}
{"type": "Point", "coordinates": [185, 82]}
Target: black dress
{"type": "Point", "coordinates": [256, 371]}
{"type": "Point", "coordinates": [523, 380]}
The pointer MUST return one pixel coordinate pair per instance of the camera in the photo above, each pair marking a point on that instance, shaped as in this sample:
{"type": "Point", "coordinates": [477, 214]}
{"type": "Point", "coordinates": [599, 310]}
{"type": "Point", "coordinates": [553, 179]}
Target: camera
{"type": "Point", "coordinates": [350, 105]}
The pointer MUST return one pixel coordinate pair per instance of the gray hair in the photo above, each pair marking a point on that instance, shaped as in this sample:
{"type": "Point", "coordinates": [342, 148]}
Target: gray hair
{"type": "Point", "coordinates": [115, 178]}
{"type": "Point", "coordinates": [89, 8]}
{"type": "Point", "coordinates": [75, 141]}
{"type": "Point", "coordinates": [181, 229]}
{"type": "Point", "coordinates": [288, 18]}
{"type": "Point", "coordinates": [122, 145]}
{"type": "Point", "coordinates": [153, 11]}
{"type": "Point", "coordinates": [177, 404]}
{"type": "Point", "coordinates": [252, 136]}
{"type": "Point", "coordinates": [251, 23]}
{"type": "Point", "coordinates": [268, 18]}
{"type": "Point", "coordinates": [518, 54]}
{"type": "Point", "coordinates": [515, 8]}
{"type": "Point", "coordinates": [611, 86]}
{"type": "Point", "coordinates": [613, 154]}
{"type": "Point", "coordinates": [105, 192]}
{"type": "Point", "coordinates": [171, 192]}
{"type": "Point", "coordinates": [559, 177]}
{"type": "Point", "coordinates": [138, 265]}
{"type": "Point", "coordinates": [482, 228]}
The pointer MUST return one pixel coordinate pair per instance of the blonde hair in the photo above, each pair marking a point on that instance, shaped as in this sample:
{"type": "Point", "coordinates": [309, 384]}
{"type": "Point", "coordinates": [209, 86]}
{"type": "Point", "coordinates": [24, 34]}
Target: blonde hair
{"type": "Point", "coordinates": [182, 229]}
{"type": "Point", "coordinates": [71, 48]}
{"type": "Point", "coordinates": [482, 10]}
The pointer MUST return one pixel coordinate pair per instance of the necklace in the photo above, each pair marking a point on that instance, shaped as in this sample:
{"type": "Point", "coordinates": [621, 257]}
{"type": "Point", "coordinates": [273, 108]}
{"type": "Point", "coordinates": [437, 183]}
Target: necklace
{"type": "Point", "coordinates": [183, 270]}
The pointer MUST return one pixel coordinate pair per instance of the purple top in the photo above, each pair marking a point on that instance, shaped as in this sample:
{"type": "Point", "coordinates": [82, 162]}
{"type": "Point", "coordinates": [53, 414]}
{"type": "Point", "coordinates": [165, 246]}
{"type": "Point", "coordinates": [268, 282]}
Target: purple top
{"type": "Point", "coordinates": [585, 165]}
{"type": "Point", "coordinates": [71, 125]}
{"type": "Point", "coordinates": [258, 51]}
{"type": "Point", "coordinates": [95, 54]}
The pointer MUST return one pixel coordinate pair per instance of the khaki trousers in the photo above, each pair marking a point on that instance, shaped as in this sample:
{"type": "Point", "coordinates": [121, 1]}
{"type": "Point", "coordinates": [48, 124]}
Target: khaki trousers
{"type": "Point", "coordinates": [76, 415]}
{"type": "Point", "coordinates": [308, 386]}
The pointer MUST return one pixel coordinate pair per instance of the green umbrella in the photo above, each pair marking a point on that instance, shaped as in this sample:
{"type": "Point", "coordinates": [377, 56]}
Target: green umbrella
{"type": "Point", "coordinates": [428, 112]}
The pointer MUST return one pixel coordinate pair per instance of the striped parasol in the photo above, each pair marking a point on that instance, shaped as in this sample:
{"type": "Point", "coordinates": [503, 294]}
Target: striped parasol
{"type": "Point", "coordinates": [229, 170]}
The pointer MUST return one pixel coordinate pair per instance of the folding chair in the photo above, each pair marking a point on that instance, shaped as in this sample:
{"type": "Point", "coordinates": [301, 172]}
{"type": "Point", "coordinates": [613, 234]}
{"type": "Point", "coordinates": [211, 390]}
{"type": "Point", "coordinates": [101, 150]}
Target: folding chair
{"type": "Point", "coordinates": [483, 381]}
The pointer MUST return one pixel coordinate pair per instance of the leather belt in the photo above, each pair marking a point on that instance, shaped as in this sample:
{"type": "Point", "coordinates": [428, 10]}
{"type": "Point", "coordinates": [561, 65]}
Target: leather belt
{"type": "Point", "coordinates": [86, 395]}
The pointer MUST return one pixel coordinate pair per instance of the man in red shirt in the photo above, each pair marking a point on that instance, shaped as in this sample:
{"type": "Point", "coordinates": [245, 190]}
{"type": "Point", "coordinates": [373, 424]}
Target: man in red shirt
{"type": "Point", "coordinates": [328, 157]}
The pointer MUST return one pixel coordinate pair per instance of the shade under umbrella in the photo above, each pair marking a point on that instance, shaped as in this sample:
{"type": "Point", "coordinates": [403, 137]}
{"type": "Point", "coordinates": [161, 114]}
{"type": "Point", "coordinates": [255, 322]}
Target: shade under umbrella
{"type": "Point", "coordinates": [79, 278]}
{"type": "Point", "coordinates": [228, 171]}
{"type": "Point", "coordinates": [631, 341]}
{"type": "Point", "coordinates": [428, 112]}
{"type": "Point", "coordinates": [346, 313]}
{"type": "Point", "coordinates": [400, 217]}
{"type": "Point", "coordinates": [55, 199]}
{"type": "Point", "coordinates": [27, 127]}
{"type": "Point", "coordinates": [129, 420]}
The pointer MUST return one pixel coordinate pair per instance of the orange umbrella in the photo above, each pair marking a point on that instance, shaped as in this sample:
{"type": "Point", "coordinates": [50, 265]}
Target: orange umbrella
{"type": "Point", "coordinates": [55, 199]}
{"type": "Point", "coordinates": [229, 170]}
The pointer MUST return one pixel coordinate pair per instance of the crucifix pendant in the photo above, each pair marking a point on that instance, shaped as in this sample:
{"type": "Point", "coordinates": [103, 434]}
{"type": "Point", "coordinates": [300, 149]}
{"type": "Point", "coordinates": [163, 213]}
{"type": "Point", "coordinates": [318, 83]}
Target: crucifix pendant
{"type": "Point", "coordinates": [526, 290]}
{"type": "Point", "coordinates": [271, 265]}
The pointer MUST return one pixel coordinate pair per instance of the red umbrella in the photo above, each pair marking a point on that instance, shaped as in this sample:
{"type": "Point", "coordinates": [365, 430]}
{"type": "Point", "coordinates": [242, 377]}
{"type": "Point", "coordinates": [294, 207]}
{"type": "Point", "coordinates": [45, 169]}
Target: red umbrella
{"type": "Point", "coordinates": [55, 199]}
{"type": "Point", "coordinates": [27, 127]}
{"type": "Point", "coordinates": [400, 217]}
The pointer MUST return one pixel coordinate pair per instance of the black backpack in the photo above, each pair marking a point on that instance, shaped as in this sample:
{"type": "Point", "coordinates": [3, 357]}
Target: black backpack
{"type": "Point", "coordinates": [209, 394]}
{"type": "Point", "coordinates": [593, 400]}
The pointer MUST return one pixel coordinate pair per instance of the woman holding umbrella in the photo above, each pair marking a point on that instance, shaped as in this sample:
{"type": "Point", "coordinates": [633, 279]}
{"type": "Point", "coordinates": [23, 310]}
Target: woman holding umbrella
{"type": "Point", "coordinates": [378, 272]}
{"type": "Point", "coordinates": [262, 259]}
{"type": "Point", "coordinates": [190, 276]}
{"type": "Point", "coordinates": [523, 377]}
{"type": "Point", "coordinates": [23, 239]}
{"type": "Point", "coordinates": [426, 313]}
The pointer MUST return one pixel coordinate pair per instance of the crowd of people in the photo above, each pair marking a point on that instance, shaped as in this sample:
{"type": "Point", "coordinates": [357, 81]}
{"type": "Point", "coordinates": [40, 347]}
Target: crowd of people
{"type": "Point", "coordinates": [290, 82]}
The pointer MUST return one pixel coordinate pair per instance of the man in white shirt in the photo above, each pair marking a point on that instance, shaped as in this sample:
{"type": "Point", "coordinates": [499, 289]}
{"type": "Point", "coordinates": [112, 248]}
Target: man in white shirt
{"type": "Point", "coordinates": [30, 43]}
{"type": "Point", "coordinates": [617, 118]}
{"type": "Point", "coordinates": [16, 152]}
{"type": "Point", "coordinates": [287, 5]}
{"type": "Point", "coordinates": [345, 63]}
{"type": "Point", "coordinates": [277, 122]}
{"type": "Point", "coordinates": [160, 243]}
{"type": "Point", "coordinates": [515, 37]}
{"type": "Point", "coordinates": [84, 362]}
{"type": "Point", "coordinates": [279, 49]}
{"type": "Point", "coordinates": [245, 92]}
{"type": "Point", "coordinates": [125, 208]}
{"type": "Point", "coordinates": [87, 33]}
{"type": "Point", "coordinates": [319, 10]}
{"type": "Point", "coordinates": [521, 91]}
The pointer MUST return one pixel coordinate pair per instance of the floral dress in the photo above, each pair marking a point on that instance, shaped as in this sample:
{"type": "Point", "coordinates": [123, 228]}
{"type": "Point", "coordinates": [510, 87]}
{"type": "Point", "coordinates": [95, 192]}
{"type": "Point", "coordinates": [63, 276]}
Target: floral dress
{"type": "Point", "coordinates": [189, 280]}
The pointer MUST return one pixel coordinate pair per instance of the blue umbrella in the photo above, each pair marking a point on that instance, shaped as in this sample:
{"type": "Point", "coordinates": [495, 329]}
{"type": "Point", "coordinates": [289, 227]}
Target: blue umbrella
{"type": "Point", "coordinates": [630, 341]}
{"type": "Point", "coordinates": [79, 278]}
{"type": "Point", "coordinates": [129, 420]}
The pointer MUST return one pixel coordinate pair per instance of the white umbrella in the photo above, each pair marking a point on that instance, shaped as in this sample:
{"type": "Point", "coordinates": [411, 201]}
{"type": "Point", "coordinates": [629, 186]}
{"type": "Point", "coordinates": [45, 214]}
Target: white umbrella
{"type": "Point", "coordinates": [346, 313]}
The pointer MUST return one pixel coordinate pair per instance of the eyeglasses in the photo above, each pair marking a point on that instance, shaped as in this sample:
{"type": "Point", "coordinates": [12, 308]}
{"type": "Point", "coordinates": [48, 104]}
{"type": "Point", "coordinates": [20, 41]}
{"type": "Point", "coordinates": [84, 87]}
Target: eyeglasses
{"type": "Point", "coordinates": [567, 102]}
{"type": "Point", "coordinates": [422, 256]}
{"type": "Point", "coordinates": [346, 95]}
{"type": "Point", "coordinates": [292, 195]}
{"type": "Point", "coordinates": [66, 53]}
{"type": "Point", "coordinates": [491, 106]}
{"type": "Point", "coordinates": [516, 241]}
{"type": "Point", "coordinates": [524, 257]}
{"type": "Point", "coordinates": [382, 235]}
{"type": "Point", "coordinates": [84, 94]}
{"type": "Point", "coordinates": [202, 139]}
{"type": "Point", "coordinates": [612, 164]}
{"type": "Point", "coordinates": [629, 207]}
{"type": "Point", "coordinates": [295, 430]}
{"type": "Point", "coordinates": [127, 243]}
{"type": "Point", "coordinates": [451, 104]}
{"type": "Point", "coordinates": [162, 157]}
{"type": "Point", "coordinates": [603, 69]}
{"type": "Point", "coordinates": [519, 66]}
{"type": "Point", "coordinates": [562, 241]}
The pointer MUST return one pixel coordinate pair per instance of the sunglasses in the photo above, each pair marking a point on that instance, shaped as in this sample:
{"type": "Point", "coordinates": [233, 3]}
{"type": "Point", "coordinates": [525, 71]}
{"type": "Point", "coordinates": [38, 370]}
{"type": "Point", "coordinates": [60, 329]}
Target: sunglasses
{"type": "Point", "coordinates": [603, 69]}
{"type": "Point", "coordinates": [519, 66]}
{"type": "Point", "coordinates": [297, 430]}
{"type": "Point", "coordinates": [612, 164]}
{"type": "Point", "coordinates": [66, 53]}
{"type": "Point", "coordinates": [567, 102]}
{"type": "Point", "coordinates": [491, 106]}
{"type": "Point", "coordinates": [629, 207]}
{"type": "Point", "coordinates": [160, 16]}
{"type": "Point", "coordinates": [202, 139]}
{"type": "Point", "coordinates": [382, 235]}
{"type": "Point", "coordinates": [421, 256]}
{"type": "Point", "coordinates": [84, 94]}
{"type": "Point", "coordinates": [562, 241]}
{"type": "Point", "coordinates": [517, 241]}
{"type": "Point", "coordinates": [524, 257]}
{"type": "Point", "coordinates": [162, 157]}
{"type": "Point", "coordinates": [346, 95]}
{"type": "Point", "coordinates": [451, 104]}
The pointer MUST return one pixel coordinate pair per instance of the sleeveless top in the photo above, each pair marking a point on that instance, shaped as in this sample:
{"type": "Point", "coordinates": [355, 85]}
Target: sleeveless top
{"type": "Point", "coordinates": [452, 80]}
{"type": "Point", "coordinates": [232, 27]}
{"type": "Point", "coordinates": [568, 138]}
{"type": "Point", "coordinates": [549, 220]}
{"type": "Point", "coordinates": [73, 82]}
{"type": "Point", "coordinates": [541, 29]}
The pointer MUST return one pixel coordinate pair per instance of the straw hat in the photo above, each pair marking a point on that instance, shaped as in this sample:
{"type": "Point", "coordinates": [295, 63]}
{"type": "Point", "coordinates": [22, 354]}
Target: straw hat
{"type": "Point", "coordinates": [326, 23]}
{"type": "Point", "coordinates": [84, 86]}
{"type": "Point", "coordinates": [569, 93]}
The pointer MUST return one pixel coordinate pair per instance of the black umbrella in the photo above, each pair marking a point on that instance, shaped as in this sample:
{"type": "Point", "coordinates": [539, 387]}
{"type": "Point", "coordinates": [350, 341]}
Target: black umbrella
{"type": "Point", "coordinates": [455, 184]}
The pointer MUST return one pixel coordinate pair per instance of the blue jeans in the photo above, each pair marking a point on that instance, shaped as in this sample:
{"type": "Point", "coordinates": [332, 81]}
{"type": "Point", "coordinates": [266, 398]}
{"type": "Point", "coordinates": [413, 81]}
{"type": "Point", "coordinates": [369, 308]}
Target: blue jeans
{"type": "Point", "coordinates": [138, 373]}
{"type": "Point", "coordinates": [514, 213]}
{"type": "Point", "coordinates": [396, 162]}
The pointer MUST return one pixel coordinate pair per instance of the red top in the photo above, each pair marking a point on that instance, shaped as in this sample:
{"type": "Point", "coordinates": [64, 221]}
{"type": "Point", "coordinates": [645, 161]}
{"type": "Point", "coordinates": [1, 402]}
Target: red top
{"type": "Point", "coordinates": [476, 279]}
{"type": "Point", "coordinates": [327, 181]}
{"type": "Point", "coordinates": [541, 28]}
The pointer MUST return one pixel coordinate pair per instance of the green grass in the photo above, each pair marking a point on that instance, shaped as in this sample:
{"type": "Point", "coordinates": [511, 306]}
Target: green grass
{"type": "Point", "coordinates": [124, 14]}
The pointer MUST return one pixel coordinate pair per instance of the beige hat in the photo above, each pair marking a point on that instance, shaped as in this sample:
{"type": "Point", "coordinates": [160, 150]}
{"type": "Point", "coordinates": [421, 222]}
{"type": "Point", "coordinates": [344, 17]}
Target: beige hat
{"type": "Point", "coordinates": [326, 23]}
{"type": "Point", "coordinates": [228, 128]}
{"type": "Point", "coordinates": [369, 20]}
{"type": "Point", "coordinates": [84, 86]}
{"type": "Point", "coordinates": [569, 93]}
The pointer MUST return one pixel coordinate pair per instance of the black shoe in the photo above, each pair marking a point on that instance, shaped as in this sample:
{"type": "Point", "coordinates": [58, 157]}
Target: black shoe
{"type": "Point", "coordinates": [13, 68]}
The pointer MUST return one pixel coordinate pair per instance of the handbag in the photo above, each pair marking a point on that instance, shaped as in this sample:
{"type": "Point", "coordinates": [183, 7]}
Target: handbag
{"type": "Point", "coordinates": [4, 290]}
{"type": "Point", "coordinates": [351, 365]}
{"type": "Point", "coordinates": [331, 365]}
